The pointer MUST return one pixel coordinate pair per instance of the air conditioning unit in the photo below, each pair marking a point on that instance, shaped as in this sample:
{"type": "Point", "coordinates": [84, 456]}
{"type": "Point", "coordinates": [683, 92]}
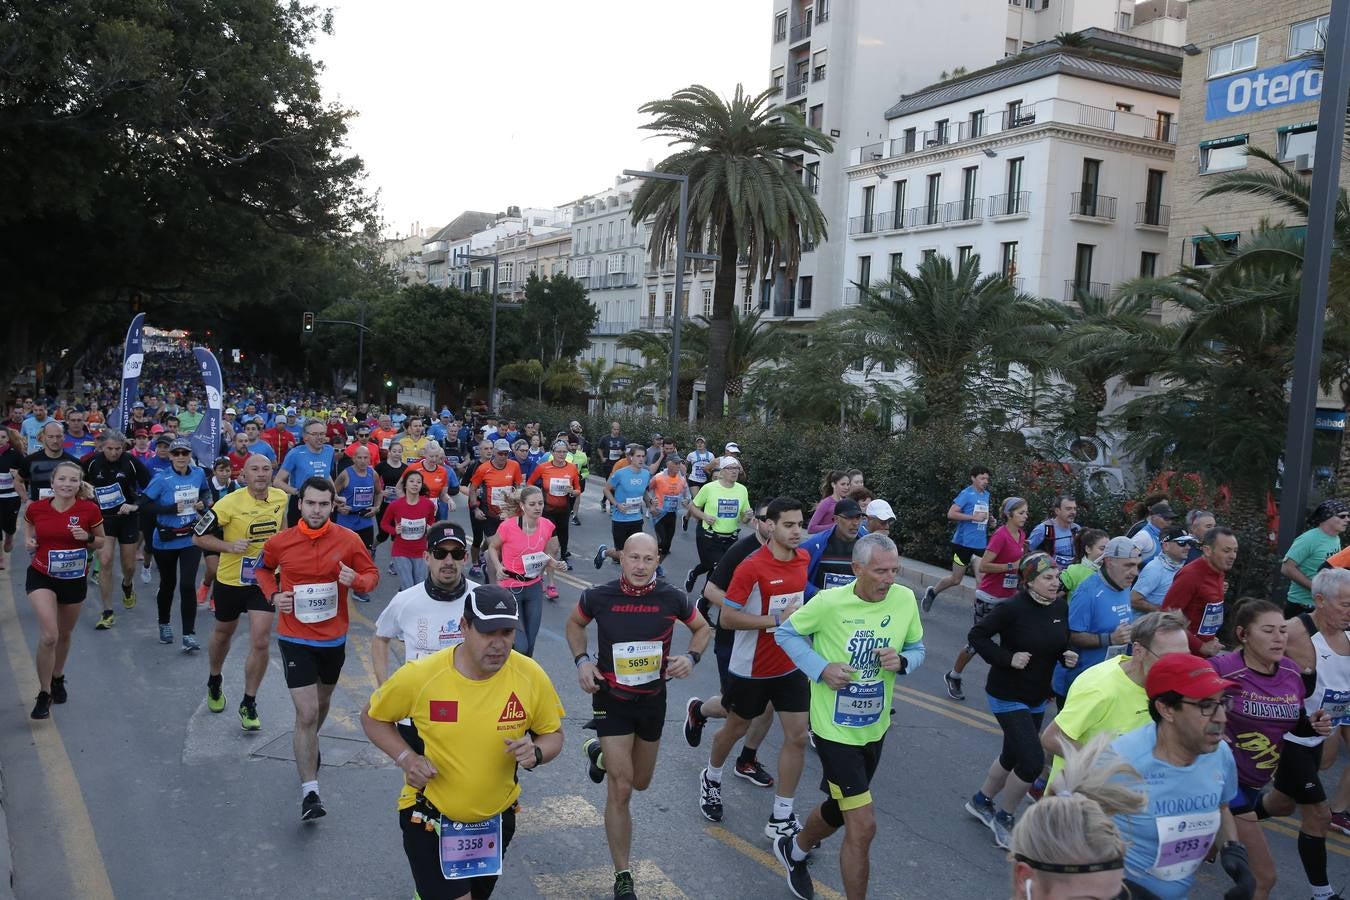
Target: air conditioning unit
{"type": "Point", "coordinates": [1303, 163]}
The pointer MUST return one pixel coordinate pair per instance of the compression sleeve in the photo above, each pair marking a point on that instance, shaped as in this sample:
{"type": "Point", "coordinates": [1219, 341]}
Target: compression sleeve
{"type": "Point", "coordinates": [799, 650]}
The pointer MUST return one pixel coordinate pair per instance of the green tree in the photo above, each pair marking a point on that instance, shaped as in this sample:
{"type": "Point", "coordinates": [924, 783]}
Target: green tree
{"type": "Point", "coordinates": [557, 318]}
{"type": "Point", "coordinates": [598, 380]}
{"type": "Point", "coordinates": [746, 195]}
{"type": "Point", "coordinates": [753, 342]}
{"type": "Point", "coordinates": [814, 387]}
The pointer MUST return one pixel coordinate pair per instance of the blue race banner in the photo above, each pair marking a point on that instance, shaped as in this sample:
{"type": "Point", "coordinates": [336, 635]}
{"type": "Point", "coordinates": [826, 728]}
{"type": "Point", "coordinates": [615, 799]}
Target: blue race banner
{"type": "Point", "coordinates": [133, 355]}
{"type": "Point", "coordinates": [1293, 82]}
{"type": "Point", "coordinates": [206, 438]}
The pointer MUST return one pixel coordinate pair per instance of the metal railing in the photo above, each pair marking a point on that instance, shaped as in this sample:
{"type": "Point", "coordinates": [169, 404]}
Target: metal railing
{"type": "Point", "coordinates": [1157, 214]}
{"type": "Point", "coordinates": [1014, 204]}
{"type": "Point", "coordinates": [862, 224]}
{"type": "Point", "coordinates": [654, 323]}
{"type": "Point", "coordinates": [1092, 205]}
{"type": "Point", "coordinates": [968, 209]}
{"type": "Point", "coordinates": [852, 296]}
{"type": "Point", "coordinates": [1018, 283]}
{"type": "Point", "coordinates": [1099, 289]}
{"type": "Point", "coordinates": [784, 308]}
{"type": "Point", "coordinates": [613, 328]}
{"type": "Point", "coordinates": [800, 31]}
{"type": "Point", "coordinates": [796, 87]}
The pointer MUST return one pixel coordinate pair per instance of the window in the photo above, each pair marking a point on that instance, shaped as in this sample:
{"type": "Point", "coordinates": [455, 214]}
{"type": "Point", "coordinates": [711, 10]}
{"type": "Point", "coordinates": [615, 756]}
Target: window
{"type": "Point", "coordinates": [1224, 154]}
{"type": "Point", "coordinates": [1082, 265]}
{"type": "Point", "coordinates": [964, 253]}
{"type": "Point", "coordinates": [1164, 127]}
{"type": "Point", "coordinates": [1012, 114]}
{"type": "Point", "coordinates": [777, 80]}
{"type": "Point", "coordinates": [813, 177]}
{"type": "Point", "coordinates": [1296, 140]}
{"type": "Point", "coordinates": [865, 271]}
{"type": "Point", "coordinates": [939, 132]}
{"type": "Point", "coordinates": [780, 26]}
{"type": "Point", "coordinates": [897, 263]}
{"type": "Point", "coordinates": [816, 117]}
{"type": "Point", "coordinates": [1010, 47]}
{"type": "Point", "coordinates": [1126, 21]}
{"type": "Point", "coordinates": [1125, 107]}
{"type": "Point", "coordinates": [898, 203]}
{"type": "Point", "coordinates": [651, 303]}
{"type": "Point", "coordinates": [868, 206]}
{"type": "Point", "coordinates": [975, 125]}
{"type": "Point", "coordinates": [1148, 264]}
{"type": "Point", "coordinates": [1308, 36]}
{"type": "Point", "coordinates": [1087, 199]}
{"type": "Point", "coordinates": [1013, 184]}
{"type": "Point", "coordinates": [931, 199]}
{"type": "Point", "coordinates": [1209, 247]}
{"type": "Point", "coordinates": [765, 294]}
{"type": "Point", "coordinates": [806, 285]}
{"type": "Point", "coordinates": [1007, 266]}
{"type": "Point", "coordinates": [1224, 59]}
{"type": "Point", "coordinates": [1153, 193]}
{"type": "Point", "coordinates": [929, 254]}
{"type": "Point", "coordinates": [969, 177]}
{"type": "Point", "coordinates": [822, 10]}
{"type": "Point", "coordinates": [911, 139]}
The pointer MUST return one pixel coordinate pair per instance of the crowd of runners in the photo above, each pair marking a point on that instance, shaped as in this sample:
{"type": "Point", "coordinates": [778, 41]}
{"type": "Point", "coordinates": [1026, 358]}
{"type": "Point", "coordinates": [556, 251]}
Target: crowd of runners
{"type": "Point", "coordinates": [1149, 724]}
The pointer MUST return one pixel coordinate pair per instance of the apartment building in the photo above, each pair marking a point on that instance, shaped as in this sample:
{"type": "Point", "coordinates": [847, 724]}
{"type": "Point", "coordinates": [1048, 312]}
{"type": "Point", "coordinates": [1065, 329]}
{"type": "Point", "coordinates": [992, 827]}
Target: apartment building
{"type": "Point", "coordinates": [1053, 167]}
{"type": "Point", "coordinates": [435, 257]}
{"type": "Point", "coordinates": [544, 252]}
{"type": "Point", "coordinates": [608, 257]}
{"type": "Point", "coordinates": [469, 273]}
{"type": "Point", "coordinates": [844, 62]}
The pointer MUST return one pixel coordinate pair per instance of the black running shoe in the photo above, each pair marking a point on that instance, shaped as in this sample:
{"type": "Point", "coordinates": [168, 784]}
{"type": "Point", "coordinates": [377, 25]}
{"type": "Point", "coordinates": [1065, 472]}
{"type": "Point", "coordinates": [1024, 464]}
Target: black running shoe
{"type": "Point", "coordinates": [710, 797]}
{"type": "Point", "coordinates": [59, 694]}
{"type": "Point", "coordinates": [623, 886]}
{"type": "Point", "coordinates": [953, 686]}
{"type": "Point", "coordinates": [693, 722]}
{"type": "Point", "coordinates": [595, 760]}
{"type": "Point", "coordinates": [798, 878]}
{"type": "Point", "coordinates": [42, 708]}
{"type": "Point", "coordinates": [689, 579]}
{"type": "Point", "coordinates": [754, 772]}
{"type": "Point", "coordinates": [311, 807]}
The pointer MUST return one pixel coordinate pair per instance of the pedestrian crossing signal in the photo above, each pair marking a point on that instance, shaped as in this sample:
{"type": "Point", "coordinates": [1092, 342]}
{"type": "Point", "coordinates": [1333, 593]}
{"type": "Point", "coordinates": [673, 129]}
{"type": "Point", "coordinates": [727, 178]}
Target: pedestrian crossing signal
{"type": "Point", "coordinates": [309, 323]}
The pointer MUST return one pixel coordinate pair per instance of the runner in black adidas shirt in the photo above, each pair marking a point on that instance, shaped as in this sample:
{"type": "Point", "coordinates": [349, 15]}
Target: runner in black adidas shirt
{"type": "Point", "coordinates": [635, 617]}
{"type": "Point", "coordinates": [609, 450]}
{"type": "Point", "coordinates": [117, 477]}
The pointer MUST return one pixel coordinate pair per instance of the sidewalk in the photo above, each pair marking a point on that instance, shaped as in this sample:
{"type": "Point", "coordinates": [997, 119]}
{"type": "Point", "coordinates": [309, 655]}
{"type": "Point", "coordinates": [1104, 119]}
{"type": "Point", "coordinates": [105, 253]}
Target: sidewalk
{"type": "Point", "coordinates": [919, 575]}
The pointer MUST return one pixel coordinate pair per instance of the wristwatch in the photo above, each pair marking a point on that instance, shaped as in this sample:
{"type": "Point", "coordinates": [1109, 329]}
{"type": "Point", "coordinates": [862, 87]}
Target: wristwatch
{"type": "Point", "coordinates": [538, 757]}
{"type": "Point", "coordinates": [694, 656]}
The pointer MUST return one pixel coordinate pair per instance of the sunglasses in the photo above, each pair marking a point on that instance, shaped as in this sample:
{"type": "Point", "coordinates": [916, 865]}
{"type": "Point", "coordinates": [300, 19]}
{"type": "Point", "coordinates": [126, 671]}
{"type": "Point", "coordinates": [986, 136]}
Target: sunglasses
{"type": "Point", "coordinates": [455, 553]}
{"type": "Point", "coordinates": [180, 452]}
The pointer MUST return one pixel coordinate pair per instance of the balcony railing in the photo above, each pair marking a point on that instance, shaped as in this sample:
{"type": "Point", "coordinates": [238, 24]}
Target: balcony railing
{"type": "Point", "coordinates": [1092, 206]}
{"type": "Point", "coordinates": [1154, 214]}
{"type": "Point", "coordinates": [957, 212]}
{"type": "Point", "coordinates": [613, 328]}
{"type": "Point", "coordinates": [784, 308]}
{"type": "Point", "coordinates": [852, 295]}
{"type": "Point", "coordinates": [776, 87]}
{"type": "Point", "coordinates": [863, 224]}
{"type": "Point", "coordinates": [800, 31]}
{"type": "Point", "coordinates": [1068, 112]}
{"type": "Point", "coordinates": [1017, 203]}
{"type": "Point", "coordinates": [796, 87]}
{"type": "Point", "coordinates": [1018, 283]}
{"type": "Point", "coordinates": [920, 216]}
{"type": "Point", "coordinates": [1099, 289]}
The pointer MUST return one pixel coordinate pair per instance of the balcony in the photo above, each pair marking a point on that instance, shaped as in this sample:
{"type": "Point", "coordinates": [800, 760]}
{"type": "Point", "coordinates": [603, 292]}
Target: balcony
{"type": "Point", "coordinates": [1152, 215]}
{"type": "Point", "coordinates": [796, 87]}
{"type": "Point", "coordinates": [1073, 288]}
{"type": "Point", "coordinates": [800, 32]}
{"type": "Point", "coordinates": [613, 329]}
{"type": "Point", "coordinates": [654, 323]}
{"type": "Point", "coordinates": [1016, 205]}
{"type": "Point", "coordinates": [1018, 283]}
{"type": "Point", "coordinates": [862, 225]}
{"type": "Point", "coordinates": [924, 216]}
{"type": "Point", "coordinates": [1092, 207]}
{"type": "Point", "coordinates": [784, 308]}
{"type": "Point", "coordinates": [1064, 112]}
{"type": "Point", "coordinates": [967, 211]}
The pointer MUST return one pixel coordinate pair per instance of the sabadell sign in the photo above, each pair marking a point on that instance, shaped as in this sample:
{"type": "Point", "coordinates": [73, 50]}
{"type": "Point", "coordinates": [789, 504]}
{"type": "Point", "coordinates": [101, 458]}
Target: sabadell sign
{"type": "Point", "coordinates": [1236, 95]}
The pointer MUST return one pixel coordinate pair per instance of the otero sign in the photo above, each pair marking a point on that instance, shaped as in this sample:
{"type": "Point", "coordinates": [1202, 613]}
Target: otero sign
{"type": "Point", "coordinates": [1249, 92]}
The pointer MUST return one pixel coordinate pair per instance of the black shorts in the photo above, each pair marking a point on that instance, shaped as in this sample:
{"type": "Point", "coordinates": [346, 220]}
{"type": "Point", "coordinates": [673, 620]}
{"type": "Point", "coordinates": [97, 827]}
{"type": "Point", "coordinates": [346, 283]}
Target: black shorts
{"type": "Point", "coordinates": [127, 529]}
{"type": "Point", "coordinates": [964, 555]}
{"type": "Point", "coordinates": [722, 650]}
{"type": "Point", "coordinates": [305, 665]}
{"type": "Point", "coordinates": [68, 591]}
{"type": "Point", "coordinates": [748, 697]}
{"type": "Point", "coordinates": [620, 532]}
{"type": "Point", "coordinates": [1298, 774]}
{"type": "Point", "coordinates": [9, 514]}
{"type": "Point", "coordinates": [847, 771]}
{"type": "Point", "coordinates": [1293, 610]}
{"type": "Point", "coordinates": [233, 599]}
{"type": "Point", "coordinates": [489, 526]}
{"type": "Point", "coordinates": [423, 849]}
{"type": "Point", "coordinates": [613, 716]}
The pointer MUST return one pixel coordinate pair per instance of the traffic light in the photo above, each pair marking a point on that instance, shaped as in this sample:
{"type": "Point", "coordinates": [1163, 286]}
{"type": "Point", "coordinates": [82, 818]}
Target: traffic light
{"type": "Point", "coordinates": [309, 323]}
{"type": "Point", "coordinates": [388, 382]}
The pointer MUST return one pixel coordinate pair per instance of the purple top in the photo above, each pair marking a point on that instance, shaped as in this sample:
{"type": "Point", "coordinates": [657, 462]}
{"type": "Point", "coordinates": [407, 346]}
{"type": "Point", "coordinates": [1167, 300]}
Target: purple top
{"type": "Point", "coordinates": [1262, 708]}
{"type": "Point", "coordinates": [823, 517]}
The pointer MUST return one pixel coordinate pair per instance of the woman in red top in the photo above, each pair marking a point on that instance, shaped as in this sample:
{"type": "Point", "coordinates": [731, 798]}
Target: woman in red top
{"type": "Point", "coordinates": [62, 532]}
{"type": "Point", "coordinates": [523, 548]}
{"type": "Point", "coordinates": [406, 520]}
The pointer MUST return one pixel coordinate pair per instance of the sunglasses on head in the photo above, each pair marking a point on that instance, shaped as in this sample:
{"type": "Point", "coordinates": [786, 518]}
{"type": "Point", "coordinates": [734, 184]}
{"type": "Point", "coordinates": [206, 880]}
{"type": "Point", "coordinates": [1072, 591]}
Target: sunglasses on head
{"type": "Point", "coordinates": [455, 553]}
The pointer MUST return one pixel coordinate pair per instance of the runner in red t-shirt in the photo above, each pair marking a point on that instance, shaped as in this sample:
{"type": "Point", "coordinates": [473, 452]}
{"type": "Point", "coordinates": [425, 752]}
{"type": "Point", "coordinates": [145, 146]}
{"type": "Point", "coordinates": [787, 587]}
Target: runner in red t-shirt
{"type": "Point", "coordinates": [767, 588]}
{"type": "Point", "coordinates": [63, 531]}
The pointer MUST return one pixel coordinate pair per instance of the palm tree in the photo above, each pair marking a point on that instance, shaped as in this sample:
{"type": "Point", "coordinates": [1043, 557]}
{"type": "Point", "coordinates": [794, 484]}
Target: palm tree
{"type": "Point", "coordinates": [753, 342]}
{"type": "Point", "coordinates": [746, 195]}
{"type": "Point", "coordinates": [598, 378]}
{"type": "Point", "coordinates": [947, 325]}
{"type": "Point", "coordinates": [815, 387]}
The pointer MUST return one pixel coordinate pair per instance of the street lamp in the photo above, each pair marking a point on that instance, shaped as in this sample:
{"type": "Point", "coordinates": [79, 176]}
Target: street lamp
{"type": "Point", "coordinates": [681, 254]}
{"type": "Point", "coordinates": [492, 329]}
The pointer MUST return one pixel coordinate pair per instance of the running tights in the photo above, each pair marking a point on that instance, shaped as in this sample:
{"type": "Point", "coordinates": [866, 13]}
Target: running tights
{"type": "Point", "coordinates": [1022, 753]}
{"type": "Point", "coordinates": [178, 568]}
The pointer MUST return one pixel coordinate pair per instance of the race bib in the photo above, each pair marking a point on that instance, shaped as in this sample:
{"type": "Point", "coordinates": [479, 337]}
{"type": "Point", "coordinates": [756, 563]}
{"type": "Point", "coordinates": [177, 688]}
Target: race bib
{"type": "Point", "coordinates": [185, 498]}
{"type": "Point", "coordinates": [614, 455]}
{"type": "Point", "coordinates": [109, 496]}
{"type": "Point", "coordinates": [1010, 581]}
{"type": "Point", "coordinates": [838, 579]}
{"type": "Point", "coordinates": [728, 507]}
{"type": "Point", "coordinates": [780, 602]}
{"type": "Point", "coordinates": [697, 473]}
{"type": "Point", "coordinates": [1183, 843]}
{"type": "Point", "coordinates": [860, 704]}
{"type": "Point", "coordinates": [46, 493]}
{"type": "Point", "coordinates": [67, 564]}
{"type": "Point", "coordinates": [412, 529]}
{"type": "Point", "coordinates": [498, 496]}
{"type": "Point", "coordinates": [384, 443]}
{"type": "Point", "coordinates": [638, 662]}
{"type": "Point", "coordinates": [1211, 621]}
{"type": "Point", "coordinates": [670, 503]}
{"type": "Point", "coordinates": [363, 497]}
{"type": "Point", "coordinates": [316, 602]}
{"type": "Point", "coordinates": [1337, 705]}
{"type": "Point", "coordinates": [471, 849]}
{"type": "Point", "coordinates": [248, 569]}
{"type": "Point", "coordinates": [631, 505]}
{"type": "Point", "coordinates": [532, 564]}
{"type": "Point", "coordinates": [981, 508]}
{"type": "Point", "coordinates": [6, 482]}
{"type": "Point", "coordinates": [558, 487]}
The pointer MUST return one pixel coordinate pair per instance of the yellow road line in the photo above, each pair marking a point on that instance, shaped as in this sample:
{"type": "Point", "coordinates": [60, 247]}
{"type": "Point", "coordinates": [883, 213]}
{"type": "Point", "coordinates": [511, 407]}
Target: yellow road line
{"type": "Point", "coordinates": [923, 701]}
{"type": "Point", "coordinates": [1293, 833]}
{"type": "Point", "coordinates": [745, 848]}
{"type": "Point", "coordinates": [88, 873]}
{"type": "Point", "coordinates": [943, 701]}
{"type": "Point", "coordinates": [1332, 834]}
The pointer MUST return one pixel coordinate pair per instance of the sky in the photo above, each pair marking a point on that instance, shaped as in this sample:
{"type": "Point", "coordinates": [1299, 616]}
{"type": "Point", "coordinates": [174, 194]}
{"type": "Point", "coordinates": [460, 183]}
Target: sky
{"type": "Point", "coordinates": [485, 105]}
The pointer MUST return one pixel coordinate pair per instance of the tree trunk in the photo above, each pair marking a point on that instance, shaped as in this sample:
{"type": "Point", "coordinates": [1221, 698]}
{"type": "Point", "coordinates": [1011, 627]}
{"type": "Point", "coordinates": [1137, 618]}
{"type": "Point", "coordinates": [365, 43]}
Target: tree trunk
{"type": "Point", "coordinates": [719, 328]}
{"type": "Point", "coordinates": [1343, 460]}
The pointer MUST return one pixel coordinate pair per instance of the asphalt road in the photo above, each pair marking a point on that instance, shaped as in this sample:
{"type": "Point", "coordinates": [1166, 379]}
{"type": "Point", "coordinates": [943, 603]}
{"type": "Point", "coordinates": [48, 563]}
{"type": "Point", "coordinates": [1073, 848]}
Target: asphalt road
{"type": "Point", "coordinates": [134, 790]}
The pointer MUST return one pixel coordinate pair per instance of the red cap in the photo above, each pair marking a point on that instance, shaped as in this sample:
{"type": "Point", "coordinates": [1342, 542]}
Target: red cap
{"type": "Point", "coordinates": [1190, 676]}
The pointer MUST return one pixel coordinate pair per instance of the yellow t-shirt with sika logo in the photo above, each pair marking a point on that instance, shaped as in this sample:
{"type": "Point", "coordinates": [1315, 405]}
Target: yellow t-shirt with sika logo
{"type": "Point", "coordinates": [466, 724]}
{"type": "Point", "coordinates": [241, 515]}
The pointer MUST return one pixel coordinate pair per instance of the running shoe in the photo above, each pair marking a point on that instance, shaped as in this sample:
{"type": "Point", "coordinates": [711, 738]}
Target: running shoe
{"type": "Point", "coordinates": [2, 562]}
{"type": "Point", "coordinates": [166, 634]}
{"type": "Point", "coordinates": [361, 598]}
{"type": "Point", "coordinates": [685, 525]}
{"type": "Point", "coordinates": [59, 694]}
{"type": "Point", "coordinates": [42, 707]}
{"type": "Point", "coordinates": [709, 797]}
{"type": "Point", "coordinates": [145, 574]}
{"type": "Point", "coordinates": [1037, 789]}
{"type": "Point", "coordinates": [1002, 828]}
{"type": "Point", "coordinates": [798, 878]}
{"type": "Point", "coordinates": [953, 686]}
{"type": "Point", "coordinates": [551, 593]}
{"type": "Point", "coordinates": [105, 621]}
{"type": "Point", "coordinates": [1340, 821]}
{"type": "Point", "coordinates": [128, 597]}
{"type": "Point", "coordinates": [391, 572]}
{"type": "Point", "coordinates": [595, 760]}
{"type": "Point", "coordinates": [190, 644]}
{"type": "Point", "coordinates": [576, 521]}
{"type": "Point", "coordinates": [782, 827]}
{"type": "Point", "coordinates": [754, 773]}
{"type": "Point", "coordinates": [982, 808]}
{"type": "Point", "coordinates": [928, 597]}
{"type": "Point", "coordinates": [476, 573]}
{"type": "Point", "coordinates": [600, 556]}
{"type": "Point", "coordinates": [311, 807]}
{"type": "Point", "coordinates": [203, 593]}
{"type": "Point", "coordinates": [215, 698]}
{"type": "Point", "coordinates": [569, 564]}
{"type": "Point", "coordinates": [248, 718]}
{"type": "Point", "coordinates": [689, 578]}
{"type": "Point", "coordinates": [693, 722]}
{"type": "Point", "coordinates": [623, 886]}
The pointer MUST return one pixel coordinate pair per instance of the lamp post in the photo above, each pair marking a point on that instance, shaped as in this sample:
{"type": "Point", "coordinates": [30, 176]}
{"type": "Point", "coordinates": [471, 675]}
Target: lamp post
{"type": "Point", "coordinates": [1317, 248]}
{"type": "Point", "coordinates": [492, 328]}
{"type": "Point", "coordinates": [681, 254]}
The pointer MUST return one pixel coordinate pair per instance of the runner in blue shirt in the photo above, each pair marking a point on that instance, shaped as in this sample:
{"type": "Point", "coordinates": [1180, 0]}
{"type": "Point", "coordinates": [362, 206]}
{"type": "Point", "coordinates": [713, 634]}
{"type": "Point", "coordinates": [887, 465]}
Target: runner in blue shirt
{"type": "Point", "coordinates": [315, 457]}
{"type": "Point", "coordinates": [970, 512]}
{"type": "Point", "coordinates": [176, 496]}
{"type": "Point", "coordinates": [628, 492]}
